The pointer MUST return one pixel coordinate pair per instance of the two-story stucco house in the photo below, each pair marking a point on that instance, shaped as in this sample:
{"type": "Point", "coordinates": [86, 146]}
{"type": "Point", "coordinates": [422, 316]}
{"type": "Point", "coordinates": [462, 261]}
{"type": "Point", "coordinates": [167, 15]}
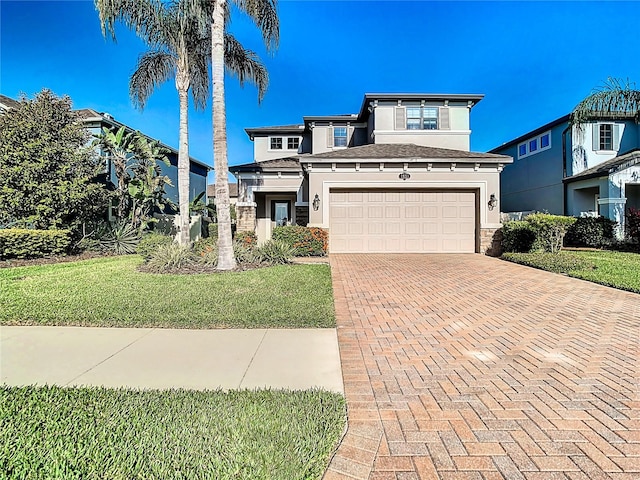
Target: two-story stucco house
{"type": "Point", "coordinates": [592, 169]}
{"type": "Point", "coordinates": [398, 176]}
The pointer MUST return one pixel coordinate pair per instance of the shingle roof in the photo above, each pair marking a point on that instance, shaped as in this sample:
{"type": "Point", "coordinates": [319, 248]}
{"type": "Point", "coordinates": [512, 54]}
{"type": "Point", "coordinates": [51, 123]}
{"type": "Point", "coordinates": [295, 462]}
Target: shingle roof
{"type": "Point", "coordinates": [233, 190]}
{"type": "Point", "coordinates": [9, 102]}
{"type": "Point", "coordinates": [289, 164]}
{"type": "Point", "coordinates": [613, 165]}
{"type": "Point", "coordinates": [392, 151]}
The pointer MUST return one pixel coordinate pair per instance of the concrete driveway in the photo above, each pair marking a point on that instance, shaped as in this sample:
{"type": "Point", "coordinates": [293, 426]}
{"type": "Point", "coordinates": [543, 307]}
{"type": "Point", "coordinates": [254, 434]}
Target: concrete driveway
{"type": "Point", "coordinates": [468, 367]}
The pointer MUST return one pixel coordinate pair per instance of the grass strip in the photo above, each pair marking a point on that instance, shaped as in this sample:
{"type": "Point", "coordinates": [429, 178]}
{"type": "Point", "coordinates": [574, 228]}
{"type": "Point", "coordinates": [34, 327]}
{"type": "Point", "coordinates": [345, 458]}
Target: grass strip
{"type": "Point", "coordinates": [111, 292]}
{"type": "Point", "coordinates": [614, 269]}
{"type": "Point", "coordinates": [92, 433]}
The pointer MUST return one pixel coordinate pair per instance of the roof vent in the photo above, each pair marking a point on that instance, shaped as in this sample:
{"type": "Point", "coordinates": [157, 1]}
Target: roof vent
{"type": "Point", "coordinates": [107, 115]}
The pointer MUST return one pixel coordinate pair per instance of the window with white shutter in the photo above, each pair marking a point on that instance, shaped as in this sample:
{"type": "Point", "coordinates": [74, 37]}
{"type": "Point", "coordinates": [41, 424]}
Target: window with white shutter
{"type": "Point", "coordinates": [329, 137]}
{"type": "Point", "coordinates": [444, 118]}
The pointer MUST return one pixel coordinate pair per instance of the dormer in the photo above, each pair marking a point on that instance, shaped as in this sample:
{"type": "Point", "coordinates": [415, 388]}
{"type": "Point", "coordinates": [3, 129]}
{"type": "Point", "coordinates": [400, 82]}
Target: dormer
{"type": "Point", "coordinates": [283, 141]}
{"type": "Point", "coordinates": [432, 120]}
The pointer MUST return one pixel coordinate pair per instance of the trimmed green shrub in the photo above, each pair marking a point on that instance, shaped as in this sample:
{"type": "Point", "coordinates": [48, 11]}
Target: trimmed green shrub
{"type": "Point", "coordinates": [552, 262]}
{"type": "Point", "coordinates": [151, 242]}
{"type": "Point", "coordinates": [23, 243]}
{"type": "Point", "coordinates": [550, 230]}
{"type": "Point", "coordinates": [213, 230]}
{"type": "Point", "coordinates": [517, 236]}
{"type": "Point", "coordinates": [306, 241]}
{"type": "Point", "coordinates": [248, 238]}
{"type": "Point", "coordinates": [203, 245]}
{"type": "Point", "coordinates": [590, 232]}
{"type": "Point", "coordinates": [274, 252]}
{"type": "Point", "coordinates": [170, 257]}
{"type": "Point", "coordinates": [633, 223]}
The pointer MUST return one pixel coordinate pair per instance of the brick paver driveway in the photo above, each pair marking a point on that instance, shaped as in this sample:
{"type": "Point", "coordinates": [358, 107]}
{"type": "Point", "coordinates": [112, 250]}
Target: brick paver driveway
{"type": "Point", "coordinates": [468, 367]}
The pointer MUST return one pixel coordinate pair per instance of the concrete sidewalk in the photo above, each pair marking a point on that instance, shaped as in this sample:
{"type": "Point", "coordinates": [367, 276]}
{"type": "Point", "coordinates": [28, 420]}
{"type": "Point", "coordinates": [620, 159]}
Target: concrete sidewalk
{"type": "Point", "coordinates": [170, 358]}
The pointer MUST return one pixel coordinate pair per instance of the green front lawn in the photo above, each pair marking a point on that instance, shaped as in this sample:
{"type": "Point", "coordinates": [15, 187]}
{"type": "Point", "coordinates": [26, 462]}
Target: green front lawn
{"type": "Point", "coordinates": [110, 292]}
{"type": "Point", "coordinates": [614, 269]}
{"type": "Point", "coordinates": [59, 433]}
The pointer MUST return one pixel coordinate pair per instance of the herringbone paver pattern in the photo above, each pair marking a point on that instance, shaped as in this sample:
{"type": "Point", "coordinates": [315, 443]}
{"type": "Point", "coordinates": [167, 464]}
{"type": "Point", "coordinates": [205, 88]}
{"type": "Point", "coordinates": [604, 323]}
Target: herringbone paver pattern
{"type": "Point", "coordinates": [468, 367]}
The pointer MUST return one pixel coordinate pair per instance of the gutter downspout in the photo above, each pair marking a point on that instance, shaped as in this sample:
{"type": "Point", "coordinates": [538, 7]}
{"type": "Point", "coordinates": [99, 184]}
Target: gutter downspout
{"type": "Point", "coordinates": [564, 168]}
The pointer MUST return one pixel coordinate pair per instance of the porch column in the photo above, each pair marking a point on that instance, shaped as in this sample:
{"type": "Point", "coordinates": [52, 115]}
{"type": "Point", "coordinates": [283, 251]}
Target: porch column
{"type": "Point", "coordinates": [246, 216]}
{"type": "Point", "coordinates": [614, 209]}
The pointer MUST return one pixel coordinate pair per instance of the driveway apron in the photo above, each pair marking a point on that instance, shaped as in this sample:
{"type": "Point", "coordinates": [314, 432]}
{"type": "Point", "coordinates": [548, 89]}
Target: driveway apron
{"type": "Point", "coordinates": [469, 367]}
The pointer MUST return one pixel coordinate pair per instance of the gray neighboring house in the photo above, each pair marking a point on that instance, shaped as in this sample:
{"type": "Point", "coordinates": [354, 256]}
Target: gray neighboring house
{"type": "Point", "coordinates": [568, 170]}
{"type": "Point", "coordinates": [94, 122]}
{"type": "Point", "coordinates": [233, 193]}
{"type": "Point", "coordinates": [398, 176]}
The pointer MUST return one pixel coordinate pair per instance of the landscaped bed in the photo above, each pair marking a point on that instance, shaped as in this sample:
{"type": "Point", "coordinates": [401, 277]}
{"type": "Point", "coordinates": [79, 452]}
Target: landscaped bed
{"type": "Point", "coordinates": [111, 292]}
{"type": "Point", "coordinates": [615, 269]}
{"type": "Point", "coordinates": [52, 432]}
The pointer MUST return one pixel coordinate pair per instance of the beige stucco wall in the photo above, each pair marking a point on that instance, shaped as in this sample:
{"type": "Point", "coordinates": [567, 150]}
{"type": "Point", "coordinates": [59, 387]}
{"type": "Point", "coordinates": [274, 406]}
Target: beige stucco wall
{"type": "Point", "coordinates": [261, 150]}
{"type": "Point", "coordinates": [457, 137]}
{"type": "Point", "coordinates": [486, 180]}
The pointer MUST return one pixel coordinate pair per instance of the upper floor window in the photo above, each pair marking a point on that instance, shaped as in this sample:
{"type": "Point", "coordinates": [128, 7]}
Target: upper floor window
{"type": "Point", "coordinates": [276, 143]}
{"type": "Point", "coordinates": [339, 136]}
{"type": "Point", "coordinates": [422, 118]}
{"type": "Point", "coordinates": [606, 136]}
{"type": "Point", "coordinates": [293, 143]}
{"type": "Point", "coordinates": [534, 145]}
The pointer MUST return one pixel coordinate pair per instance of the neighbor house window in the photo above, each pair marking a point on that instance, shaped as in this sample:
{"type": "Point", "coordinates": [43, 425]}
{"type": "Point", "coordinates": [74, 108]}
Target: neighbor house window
{"type": "Point", "coordinates": [534, 145]}
{"type": "Point", "coordinates": [339, 136]}
{"type": "Point", "coordinates": [606, 137]}
{"type": "Point", "coordinates": [293, 143]}
{"type": "Point", "coordinates": [545, 140]}
{"type": "Point", "coordinates": [522, 150]}
{"type": "Point", "coordinates": [422, 118]}
{"type": "Point", "coordinates": [276, 143]}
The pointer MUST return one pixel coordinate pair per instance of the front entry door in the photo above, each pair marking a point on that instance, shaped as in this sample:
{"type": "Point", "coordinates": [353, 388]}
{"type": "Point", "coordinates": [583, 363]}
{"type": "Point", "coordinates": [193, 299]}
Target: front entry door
{"type": "Point", "coordinates": [280, 213]}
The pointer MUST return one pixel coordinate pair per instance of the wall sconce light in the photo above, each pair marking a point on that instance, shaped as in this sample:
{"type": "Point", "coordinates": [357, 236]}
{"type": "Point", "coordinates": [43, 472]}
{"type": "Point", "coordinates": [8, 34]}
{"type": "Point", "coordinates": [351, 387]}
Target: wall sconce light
{"type": "Point", "coordinates": [493, 201]}
{"type": "Point", "coordinates": [316, 202]}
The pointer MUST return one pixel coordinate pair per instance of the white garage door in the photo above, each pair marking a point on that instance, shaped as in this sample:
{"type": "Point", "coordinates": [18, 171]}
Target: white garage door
{"type": "Point", "coordinates": [402, 221]}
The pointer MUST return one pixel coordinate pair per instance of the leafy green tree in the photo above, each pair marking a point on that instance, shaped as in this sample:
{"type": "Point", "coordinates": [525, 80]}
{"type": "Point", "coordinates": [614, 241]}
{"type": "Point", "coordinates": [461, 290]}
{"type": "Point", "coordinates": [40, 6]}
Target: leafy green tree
{"type": "Point", "coordinates": [48, 170]}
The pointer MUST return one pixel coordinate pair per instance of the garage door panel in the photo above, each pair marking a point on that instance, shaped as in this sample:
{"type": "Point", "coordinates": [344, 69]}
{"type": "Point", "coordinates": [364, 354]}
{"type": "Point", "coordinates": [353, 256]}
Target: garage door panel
{"type": "Point", "coordinates": [402, 221]}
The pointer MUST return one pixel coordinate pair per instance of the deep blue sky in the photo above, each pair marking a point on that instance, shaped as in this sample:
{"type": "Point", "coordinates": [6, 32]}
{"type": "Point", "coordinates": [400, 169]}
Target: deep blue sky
{"type": "Point", "coordinates": [533, 61]}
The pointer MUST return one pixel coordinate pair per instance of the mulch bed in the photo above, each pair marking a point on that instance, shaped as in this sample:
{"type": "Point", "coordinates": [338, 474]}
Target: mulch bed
{"type": "Point", "coordinates": [27, 262]}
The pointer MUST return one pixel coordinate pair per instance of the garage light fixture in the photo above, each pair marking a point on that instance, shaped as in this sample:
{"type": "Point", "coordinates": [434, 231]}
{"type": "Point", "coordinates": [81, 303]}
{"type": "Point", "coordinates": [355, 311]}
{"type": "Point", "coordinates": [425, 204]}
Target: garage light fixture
{"type": "Point", "coordinates": [493, 201]}
{"type": "Point", "coordinates": [316, 202]}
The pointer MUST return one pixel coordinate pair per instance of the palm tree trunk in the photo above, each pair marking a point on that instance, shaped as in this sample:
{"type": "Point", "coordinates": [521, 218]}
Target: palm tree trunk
{"type": "Point", "coordinates": [226, 259]}
{"type": "Point", "coordinates": [183, 160]}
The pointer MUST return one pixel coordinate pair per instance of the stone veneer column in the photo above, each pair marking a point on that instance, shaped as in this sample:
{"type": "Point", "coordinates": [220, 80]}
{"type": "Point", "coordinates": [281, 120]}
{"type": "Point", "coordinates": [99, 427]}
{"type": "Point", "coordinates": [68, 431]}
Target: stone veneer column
{"type": "Point", "coordinates": [245, 217]}
{"type": "Point", "coordinates": [491, 241]}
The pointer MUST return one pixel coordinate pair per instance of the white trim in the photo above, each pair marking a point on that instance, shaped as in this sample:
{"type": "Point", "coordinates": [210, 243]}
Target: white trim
{"type": "Point", "coordinates": [482, 186]}
{"type": "Point", "coordinates": [609, 201]}
{"type": "Point", "coordinates": [246, 204]}
{"type": "Point", "coordinates": [421, 132]}
{"type": "Point", "coordinates": [302, 204]}
{"type": "Point", "coordinates": [538, 139]}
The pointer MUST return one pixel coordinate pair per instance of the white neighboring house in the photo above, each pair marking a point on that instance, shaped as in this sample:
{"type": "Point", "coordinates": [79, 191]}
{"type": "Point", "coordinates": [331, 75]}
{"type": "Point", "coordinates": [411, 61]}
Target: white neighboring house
{"type": "Point", "coordinates": [568, 170]}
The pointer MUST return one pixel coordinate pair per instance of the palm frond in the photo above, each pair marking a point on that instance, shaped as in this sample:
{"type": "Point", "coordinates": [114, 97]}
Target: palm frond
{"type": "Point", "coordinates": [145, 17]}
{"type": "Point", "coordinates": [615, 99]}
{"type": "Point", "coordinates": [264, 14]}
{"type": "Point", "coordinates": [154, 68]}
{"type": "Point", "coordinates": [245, 65]}
{"type": "Point", "coordinates": [199, 74]}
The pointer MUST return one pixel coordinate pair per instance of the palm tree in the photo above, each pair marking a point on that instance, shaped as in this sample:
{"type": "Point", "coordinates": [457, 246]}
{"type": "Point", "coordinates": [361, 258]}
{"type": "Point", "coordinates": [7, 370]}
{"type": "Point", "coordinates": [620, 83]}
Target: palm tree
{"type": "Point", "coordinates": [264, 15]}
{"type": "Point", "coordinates": [179, 47]}
{"type": "Point", "coordinates": [616, 99]}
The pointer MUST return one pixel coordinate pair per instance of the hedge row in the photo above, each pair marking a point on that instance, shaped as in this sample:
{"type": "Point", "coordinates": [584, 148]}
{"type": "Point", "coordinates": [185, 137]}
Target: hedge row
{"type": "Point", "coordinates": [23, 243]}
